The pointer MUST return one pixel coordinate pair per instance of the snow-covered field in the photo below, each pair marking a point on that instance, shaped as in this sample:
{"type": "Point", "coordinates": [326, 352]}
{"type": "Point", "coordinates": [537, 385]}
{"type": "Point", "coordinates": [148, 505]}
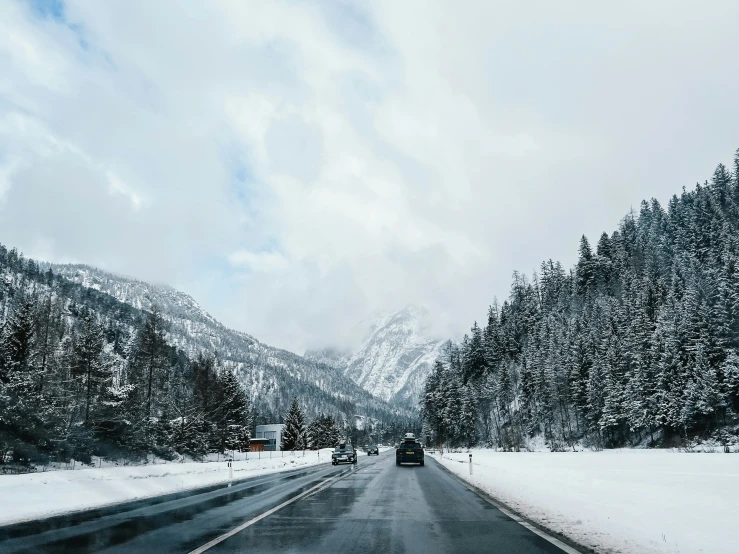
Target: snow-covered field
{"type": "Point", "coordinates": [627, 501]}
{"type": "Point", "coordinates": [37, 495]}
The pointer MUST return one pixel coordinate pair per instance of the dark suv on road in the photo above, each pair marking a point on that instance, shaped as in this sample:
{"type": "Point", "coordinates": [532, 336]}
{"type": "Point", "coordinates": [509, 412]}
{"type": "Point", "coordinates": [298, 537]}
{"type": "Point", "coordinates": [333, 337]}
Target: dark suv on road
{"type": "Point", "coordinates": [344, 454]}
{"type": "Point", "coordinates": [372, 449]}
{"type": "Point", "coordinates": [409, 451]}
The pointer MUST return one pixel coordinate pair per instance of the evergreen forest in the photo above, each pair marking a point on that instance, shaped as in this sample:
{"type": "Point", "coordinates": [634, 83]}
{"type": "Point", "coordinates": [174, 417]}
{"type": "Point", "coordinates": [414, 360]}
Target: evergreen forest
{"type": "Point", "coordinates": [638, 344]}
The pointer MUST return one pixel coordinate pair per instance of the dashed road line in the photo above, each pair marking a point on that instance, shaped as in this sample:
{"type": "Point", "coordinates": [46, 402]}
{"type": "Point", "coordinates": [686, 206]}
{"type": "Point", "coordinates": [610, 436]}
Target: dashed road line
{"type": "Point", "coordinates": [320, 486]}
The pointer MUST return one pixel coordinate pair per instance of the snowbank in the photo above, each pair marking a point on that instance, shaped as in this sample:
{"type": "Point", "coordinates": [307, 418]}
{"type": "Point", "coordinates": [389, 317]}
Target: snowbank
{"type": "Point", "coordinates": [640, 501]}
{"type": "Point", "coordinates": [38, 495]}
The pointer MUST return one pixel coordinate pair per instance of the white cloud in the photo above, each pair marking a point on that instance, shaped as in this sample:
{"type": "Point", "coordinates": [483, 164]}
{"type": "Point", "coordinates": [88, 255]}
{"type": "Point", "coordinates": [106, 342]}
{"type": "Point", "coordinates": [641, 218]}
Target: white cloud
{"type": "Point", "coordinates": [117, 186]}
{"type": "Point", "coordinates": [266, 262]}
{"type": "Point", "coordinates": [299, 165]}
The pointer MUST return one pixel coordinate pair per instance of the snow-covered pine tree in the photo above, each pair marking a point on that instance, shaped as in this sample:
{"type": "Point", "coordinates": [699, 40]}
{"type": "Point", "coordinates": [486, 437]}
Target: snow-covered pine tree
{"type": "Point", "coordinates": [474, 361]}
{"type": "Point", "coordinates": [89, 366]}
{"type": "Point", "coordinates": [294, 434]}
{"type": "Point", "coordinates": [730, 369]}
{"type": "Point", "coordinates": [16, 343]}
{"type": "Point", "coordinates": [431, 401]}
{"type": "Point", "coordinates": [236, 413]}
{"type": "Point", "coordinates": [703, 395]}
{"type": "Point", "coordinates": [151, 360]}
{"type": "Point", "coordinates": [323, 432]}
{"type": "Point", "coordinates": [585, 266]}
{"type": "Point", "coordinates": [22, 429]}
{"type": "Point", "coordinates": [314, 433]}
{"type": "Point", "coordinates": [491, 339]}
{"type": "Point", "coordinates": [468, 417]}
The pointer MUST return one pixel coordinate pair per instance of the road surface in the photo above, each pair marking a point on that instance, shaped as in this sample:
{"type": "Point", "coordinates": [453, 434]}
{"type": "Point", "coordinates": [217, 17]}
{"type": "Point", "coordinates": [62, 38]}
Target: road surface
{"type": "Point", "coordinates": [373, 507]}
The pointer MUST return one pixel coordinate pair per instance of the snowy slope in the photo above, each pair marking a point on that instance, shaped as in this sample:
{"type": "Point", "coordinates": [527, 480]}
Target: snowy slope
{"type": "Point", "coordinates": [395, 358]}
{"type": "Point", "coordinates": [271, 375]}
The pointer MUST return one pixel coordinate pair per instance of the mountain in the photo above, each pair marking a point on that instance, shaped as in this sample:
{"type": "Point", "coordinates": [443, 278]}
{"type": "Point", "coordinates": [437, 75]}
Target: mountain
{"type": "Point", "coordinates": [394, 359]}
{"type": "Point", "coordinates": [270, 375]}
{"type": "Point", "coordinates": [94, 364]}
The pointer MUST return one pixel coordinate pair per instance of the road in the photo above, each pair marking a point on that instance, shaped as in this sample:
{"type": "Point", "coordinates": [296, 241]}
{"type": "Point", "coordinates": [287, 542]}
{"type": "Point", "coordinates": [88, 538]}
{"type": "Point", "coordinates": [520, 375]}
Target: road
{"type": "Point", "coordinates": [374, 507]}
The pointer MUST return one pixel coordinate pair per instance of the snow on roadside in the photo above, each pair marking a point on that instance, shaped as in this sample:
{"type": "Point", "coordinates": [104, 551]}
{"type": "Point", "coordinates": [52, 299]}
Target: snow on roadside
{"type": "Point", "coordinates": [626, 501]}
{"type": "Point", "coordinates": [39, 495]}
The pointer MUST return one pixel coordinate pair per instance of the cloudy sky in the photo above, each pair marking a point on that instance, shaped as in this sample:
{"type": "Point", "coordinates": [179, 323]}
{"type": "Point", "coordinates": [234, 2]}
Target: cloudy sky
{"type": "Point", "coordinates": [299, 165]}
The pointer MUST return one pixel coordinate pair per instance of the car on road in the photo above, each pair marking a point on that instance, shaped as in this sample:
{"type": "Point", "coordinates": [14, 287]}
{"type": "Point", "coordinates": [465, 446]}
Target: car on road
{"type": "Point", "coordinates": [372, 449]}
{"type": "Point", "coordinates": [344, 454]}
{"type": "Point", "coordinates": [409, 451]}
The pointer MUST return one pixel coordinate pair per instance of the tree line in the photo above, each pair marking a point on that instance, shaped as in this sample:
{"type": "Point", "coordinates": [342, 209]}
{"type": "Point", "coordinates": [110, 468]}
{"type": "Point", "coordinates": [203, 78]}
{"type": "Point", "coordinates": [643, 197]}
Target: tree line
{"type": "Point", "coordinates": [322, 432]}
{"type": "Point", "coordinates": [76, 384]}
{"type": "Point", "coordinates": [636, 344]}
{"type": "Point", "coordinates": [325, 432]}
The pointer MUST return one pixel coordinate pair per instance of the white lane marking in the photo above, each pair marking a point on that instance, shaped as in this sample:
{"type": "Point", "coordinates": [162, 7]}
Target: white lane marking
{"type": "Point", "coordinates": [555, 541]}
{"type": "Point", "coordinates": [243, 526]}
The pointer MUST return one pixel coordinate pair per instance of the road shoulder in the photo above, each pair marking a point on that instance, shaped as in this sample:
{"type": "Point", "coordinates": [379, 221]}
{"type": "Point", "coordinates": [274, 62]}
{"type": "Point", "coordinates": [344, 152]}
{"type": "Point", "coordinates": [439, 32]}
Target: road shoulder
{"type": "Point", "coordinates": [558, 539]}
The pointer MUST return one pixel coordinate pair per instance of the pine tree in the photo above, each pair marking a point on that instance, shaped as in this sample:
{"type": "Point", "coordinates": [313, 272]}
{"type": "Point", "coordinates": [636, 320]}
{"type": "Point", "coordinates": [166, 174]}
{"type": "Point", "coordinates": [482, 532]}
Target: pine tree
{"type": "Point", "coordinates": [22, 430]}
{"type": "Point", "coordinates": [504, 391]}
{"type": "Point", "coordinates": [578, 375]}
{"type": "Point", "coordinates": [670, 375]}
{"type": "Point", "coordinates": [116, 432]}
{"type": "Point", "coordinates": [585, 266]}
{"type": "Point", "coordinates": [88, 363]}
{"type": "Point", "coordinates": [294, 433]}
{"type": "Point", "coordinates": [236, 413]}
{"type": "Point", "coordinates": [323, 432]}
{"type": "Point", "coordinates": [596, 394]}
{"type": "Point", "coordinates": [451, 401]}
{"type": "Point", "coordinates": [491, 339]}
{"type": "Point", "coordinates": [314, 433]}
{"type": "Point", "coordinates": [603, 249]}
{"type": "Point", "coordinates": [151, 358]}
{"type": "Point", "coordinates": [433, 402]}
{"type": "Point", "coordinates": [18, 334]}
{"type": "Point", "coordinates": [468, 418]}
{"type": "Point", "coordinates": [527, 407]}
{"type": "Point", "coordinates": [703, 395]}
{"type": "Point", "coordinates": [730, 369]}
{"type": "Point", "coordinates": [474, 355]}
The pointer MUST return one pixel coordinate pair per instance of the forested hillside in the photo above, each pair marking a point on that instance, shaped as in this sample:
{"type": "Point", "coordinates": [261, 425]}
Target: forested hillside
{"type": "Point", "coordinates": [638, 343]}
{"type": "Point", "coordinates": [85, 371]}
{"type": "Point", "coordinates": [271, 376]}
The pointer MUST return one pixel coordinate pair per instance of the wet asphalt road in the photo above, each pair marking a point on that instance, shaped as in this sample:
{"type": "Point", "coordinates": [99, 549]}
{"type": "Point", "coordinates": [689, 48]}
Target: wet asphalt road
{"type": "Point", "coordinates": [373, 507]}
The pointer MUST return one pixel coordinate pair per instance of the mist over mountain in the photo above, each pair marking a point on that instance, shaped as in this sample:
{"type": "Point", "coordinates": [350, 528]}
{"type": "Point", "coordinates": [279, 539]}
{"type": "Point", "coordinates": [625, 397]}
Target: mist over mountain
{"type": "Point", "coordinates": [393, 360]}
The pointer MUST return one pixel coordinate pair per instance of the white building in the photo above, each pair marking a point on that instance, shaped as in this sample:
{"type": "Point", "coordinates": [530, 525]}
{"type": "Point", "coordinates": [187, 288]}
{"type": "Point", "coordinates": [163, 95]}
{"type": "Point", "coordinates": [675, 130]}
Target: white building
{"type": "Point", "coordinates": [272, 432]}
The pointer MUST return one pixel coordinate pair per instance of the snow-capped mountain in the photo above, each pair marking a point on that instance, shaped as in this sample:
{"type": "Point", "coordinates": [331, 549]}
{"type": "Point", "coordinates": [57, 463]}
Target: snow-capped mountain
{"type": "Point", "coordinates": [394, 359]}
{"type": "Point", "coordinates": [271, 375]}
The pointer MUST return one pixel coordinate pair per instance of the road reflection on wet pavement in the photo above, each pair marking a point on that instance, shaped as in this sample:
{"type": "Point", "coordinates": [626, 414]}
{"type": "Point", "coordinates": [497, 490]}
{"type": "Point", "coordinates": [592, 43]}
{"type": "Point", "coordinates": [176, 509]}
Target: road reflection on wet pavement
{"type": "Point", "coordinates": [373, 507]}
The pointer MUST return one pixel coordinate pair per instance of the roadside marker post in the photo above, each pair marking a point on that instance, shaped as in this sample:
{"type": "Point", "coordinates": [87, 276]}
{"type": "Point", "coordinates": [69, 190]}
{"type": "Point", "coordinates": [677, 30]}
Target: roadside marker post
{"type": "Point", "coordinates": [470, 463]}
{"type": "Point", "coordinates": [230, 473]}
